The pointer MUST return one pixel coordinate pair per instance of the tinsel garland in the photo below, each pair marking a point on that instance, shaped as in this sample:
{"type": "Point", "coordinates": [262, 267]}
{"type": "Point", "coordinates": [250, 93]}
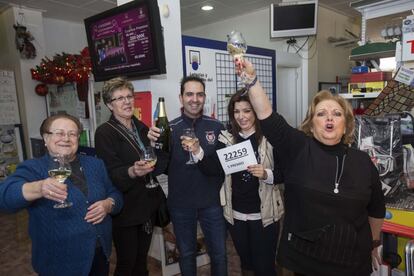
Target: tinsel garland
{"type": "Point", "coordinates": [63, 68]}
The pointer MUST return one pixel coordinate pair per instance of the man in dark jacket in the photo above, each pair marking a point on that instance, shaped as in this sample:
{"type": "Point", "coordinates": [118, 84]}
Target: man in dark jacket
{"type": "Point", "coordinates": [192, 195]}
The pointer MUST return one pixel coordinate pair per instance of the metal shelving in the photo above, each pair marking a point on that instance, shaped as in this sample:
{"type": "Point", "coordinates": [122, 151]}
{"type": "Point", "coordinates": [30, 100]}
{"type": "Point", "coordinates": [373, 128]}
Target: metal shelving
{"type": "Point", "coordinates": [358, 96]}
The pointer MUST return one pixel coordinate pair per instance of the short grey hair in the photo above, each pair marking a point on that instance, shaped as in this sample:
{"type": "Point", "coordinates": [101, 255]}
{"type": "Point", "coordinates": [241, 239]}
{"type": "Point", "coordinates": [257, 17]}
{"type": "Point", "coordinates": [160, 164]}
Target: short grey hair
{"type": "Point", "coordinates": [114, 84]}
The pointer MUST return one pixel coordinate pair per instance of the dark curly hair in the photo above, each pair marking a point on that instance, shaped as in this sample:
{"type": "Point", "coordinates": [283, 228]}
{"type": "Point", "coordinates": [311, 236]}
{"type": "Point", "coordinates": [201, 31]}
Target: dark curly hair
{"type": "Point", "coordinates": [234, 126]}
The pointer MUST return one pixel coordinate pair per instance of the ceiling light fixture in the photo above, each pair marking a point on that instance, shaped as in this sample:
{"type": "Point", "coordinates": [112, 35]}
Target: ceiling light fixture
{"type": "Point", "coordinates": [207, 8]}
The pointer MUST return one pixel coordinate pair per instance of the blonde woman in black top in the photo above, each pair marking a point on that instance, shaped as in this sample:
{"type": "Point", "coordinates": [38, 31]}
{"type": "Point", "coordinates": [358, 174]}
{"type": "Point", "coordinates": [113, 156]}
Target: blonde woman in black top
{"type": "Point", "coordinates": [334, 206]}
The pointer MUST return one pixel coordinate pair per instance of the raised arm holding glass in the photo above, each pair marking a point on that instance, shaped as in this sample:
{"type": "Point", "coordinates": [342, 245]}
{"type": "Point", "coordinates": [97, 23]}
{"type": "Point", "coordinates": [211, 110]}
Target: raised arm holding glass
{"type": "Point", "coordinates": [75, 239]}
{"type": "Point", "coordinates": [333, 198]}
{"type": "Point", "coordinates": [123, 145]}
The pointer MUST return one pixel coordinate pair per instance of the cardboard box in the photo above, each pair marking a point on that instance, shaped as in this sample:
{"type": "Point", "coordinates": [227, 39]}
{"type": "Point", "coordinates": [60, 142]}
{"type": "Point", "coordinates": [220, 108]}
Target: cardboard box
{"type": "Point", "coordinates": [360, 69]}
{"type": "Point", "coordinates": [371, 77]}
{"type": "Point", "coordinates": [366, 87]}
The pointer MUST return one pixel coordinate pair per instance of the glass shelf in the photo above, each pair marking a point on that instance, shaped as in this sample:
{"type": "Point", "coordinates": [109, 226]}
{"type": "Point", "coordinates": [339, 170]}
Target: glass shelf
{"type": "Point", "coordinates": [356, 96]}
{"type": "Point", "coordinates": [373, 51]}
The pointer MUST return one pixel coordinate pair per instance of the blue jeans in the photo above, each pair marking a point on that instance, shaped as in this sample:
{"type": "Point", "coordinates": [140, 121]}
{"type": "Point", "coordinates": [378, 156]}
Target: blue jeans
{"type": "Point", "coordinates": [214, 229]}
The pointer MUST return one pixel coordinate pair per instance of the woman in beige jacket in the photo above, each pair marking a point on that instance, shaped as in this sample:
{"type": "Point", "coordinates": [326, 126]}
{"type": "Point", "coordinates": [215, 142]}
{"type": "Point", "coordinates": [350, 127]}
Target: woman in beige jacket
{"type": "Point", "coordinates": [251, 200]}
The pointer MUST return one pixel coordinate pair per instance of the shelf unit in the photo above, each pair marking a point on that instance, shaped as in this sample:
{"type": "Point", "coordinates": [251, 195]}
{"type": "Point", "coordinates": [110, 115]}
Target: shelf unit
{"type": "Point", "coordinates": [375, 50]}
{"type": "Point", "coordinates": [357, 96]}
{"type": "Point", "coordinates": [358, 99]}
{"type": "Point", "coordinates": [372, 9]}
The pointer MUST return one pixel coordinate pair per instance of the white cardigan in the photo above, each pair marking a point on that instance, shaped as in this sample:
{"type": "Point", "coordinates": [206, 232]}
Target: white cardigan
{"type": "Point", "coordinates": [271, 205]}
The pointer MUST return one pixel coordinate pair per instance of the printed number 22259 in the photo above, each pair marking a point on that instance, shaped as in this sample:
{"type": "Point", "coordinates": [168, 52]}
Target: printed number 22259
{"type": "Point", "coordinates": [235, 154]}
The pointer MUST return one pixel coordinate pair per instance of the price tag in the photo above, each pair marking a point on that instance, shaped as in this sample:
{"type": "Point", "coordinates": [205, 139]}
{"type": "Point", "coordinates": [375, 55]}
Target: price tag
{"type": "Point", "coordinates": [236, 158]}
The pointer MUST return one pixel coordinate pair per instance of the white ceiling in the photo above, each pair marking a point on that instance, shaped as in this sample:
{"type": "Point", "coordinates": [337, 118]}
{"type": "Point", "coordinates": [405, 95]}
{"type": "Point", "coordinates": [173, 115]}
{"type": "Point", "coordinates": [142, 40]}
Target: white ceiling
{"type": "Point", "coordinates": [191, 14]}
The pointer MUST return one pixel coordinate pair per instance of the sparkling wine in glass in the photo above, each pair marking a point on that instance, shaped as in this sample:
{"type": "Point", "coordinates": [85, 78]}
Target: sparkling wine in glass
{"type": "Point", "coordinates": [237, 47]}
{"type": "Point", "coordinates": [59, 168]}
{"type": "Point", "coordinates": [149, 156]}
{"type": "Point", "coordinates": [189, 138]}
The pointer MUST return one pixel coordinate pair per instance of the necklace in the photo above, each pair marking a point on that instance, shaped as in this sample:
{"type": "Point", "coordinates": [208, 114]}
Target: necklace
{"type": "Point", "coordinates": [133, 134]}
{"type": "Point", "coordinates": [338, 178]}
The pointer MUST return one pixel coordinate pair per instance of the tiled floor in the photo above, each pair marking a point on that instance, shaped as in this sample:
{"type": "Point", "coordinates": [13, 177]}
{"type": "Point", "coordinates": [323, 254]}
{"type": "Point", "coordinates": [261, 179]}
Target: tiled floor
{"type": "Point", "coordinates": [15, 257]}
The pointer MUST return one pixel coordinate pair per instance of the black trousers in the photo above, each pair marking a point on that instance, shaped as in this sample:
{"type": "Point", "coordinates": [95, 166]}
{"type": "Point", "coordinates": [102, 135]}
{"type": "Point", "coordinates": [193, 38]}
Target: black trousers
{"type": "Point", "coordinates": [131, 244]}
{"type": "Point", "coordinates": [255, 245]}
{"type": "Point", "coordinates": [100, 264]}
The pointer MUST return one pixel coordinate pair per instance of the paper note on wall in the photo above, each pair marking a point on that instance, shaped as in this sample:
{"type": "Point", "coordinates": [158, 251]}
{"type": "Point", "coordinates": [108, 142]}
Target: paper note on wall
{"type": "Point", "coordinates": [9, 108]}
{"type": "Point", "coordinates": [142, 107]}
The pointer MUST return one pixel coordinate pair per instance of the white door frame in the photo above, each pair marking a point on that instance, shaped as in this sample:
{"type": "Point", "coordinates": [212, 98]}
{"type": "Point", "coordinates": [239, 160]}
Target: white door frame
{"type": "Point", "coordinates": [292, 61]}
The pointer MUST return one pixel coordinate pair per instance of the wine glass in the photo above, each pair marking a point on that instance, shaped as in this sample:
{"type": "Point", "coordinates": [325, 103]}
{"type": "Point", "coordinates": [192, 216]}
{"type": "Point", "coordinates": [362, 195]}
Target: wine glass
{"type": "Point", "coordinates": [236, 44]}
{"type": "Point", "coordinates": [189, 138]}
{"type": "Point", "coordinates": [59, 168]}
{"type": "Point", "coordinates": [148, 155]}
{"type": "Point", "coordinates": [237, 47]}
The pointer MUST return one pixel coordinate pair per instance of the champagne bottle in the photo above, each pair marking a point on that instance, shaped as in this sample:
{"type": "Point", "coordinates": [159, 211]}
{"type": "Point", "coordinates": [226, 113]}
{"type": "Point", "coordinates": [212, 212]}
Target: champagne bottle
{"type": "Point", "coordinates": [163, 141]}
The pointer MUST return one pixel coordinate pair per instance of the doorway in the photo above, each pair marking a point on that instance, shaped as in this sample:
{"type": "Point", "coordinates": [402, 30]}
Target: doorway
{"type": "Point", "coordinates": [289, 94]}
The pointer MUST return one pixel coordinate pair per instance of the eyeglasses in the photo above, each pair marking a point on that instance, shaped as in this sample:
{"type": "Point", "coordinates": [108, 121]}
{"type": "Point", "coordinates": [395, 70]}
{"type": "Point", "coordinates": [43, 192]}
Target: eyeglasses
{"type": "Point", "coordinates": [123, 99]}
{"type": "Point", "coordinates": [59, 133]}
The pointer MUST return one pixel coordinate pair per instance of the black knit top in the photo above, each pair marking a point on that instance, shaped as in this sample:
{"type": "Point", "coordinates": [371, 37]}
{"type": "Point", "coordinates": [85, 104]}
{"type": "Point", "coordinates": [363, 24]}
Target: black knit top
{"type": "Point", "coordinates": [324, 233]}
{"type": "Point", "coordinates": [245, 196]}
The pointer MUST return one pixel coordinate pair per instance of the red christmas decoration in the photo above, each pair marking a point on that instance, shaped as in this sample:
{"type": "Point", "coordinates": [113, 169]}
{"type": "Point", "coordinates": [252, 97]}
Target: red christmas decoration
{"type": "Point", "coordinates": [41, 89]}
{"type": "Point", "coordinates": [63, 68]}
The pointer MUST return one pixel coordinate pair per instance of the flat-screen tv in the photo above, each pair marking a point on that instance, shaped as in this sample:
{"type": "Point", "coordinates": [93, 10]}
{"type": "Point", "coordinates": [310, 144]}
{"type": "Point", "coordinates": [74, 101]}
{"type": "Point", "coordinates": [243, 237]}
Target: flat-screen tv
{"type": "Point", "coordinates": [291, 19]}
{"type": "Point", "coordinates": [126, 41]}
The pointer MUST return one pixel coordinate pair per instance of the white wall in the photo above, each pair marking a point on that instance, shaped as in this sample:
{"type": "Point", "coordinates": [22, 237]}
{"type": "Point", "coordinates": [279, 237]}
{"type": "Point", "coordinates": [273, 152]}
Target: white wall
{"type": "Point", "coordinates": [334, 61]}
{"type": "Point", "coordinates": [69, 37]}
{"type": "Point", "coordinates": [167, 85]}
{"type": "Point", "coordinates": [323, 65]}
{"type": "Point", "coordinates": [32, 107]}
{"type": "Point", "coordinates": [56, 36]}
{"type": "Point", "coordinates": [256, 30]}
{"type": "Point", "coordinates": [7, 41]}
{"type": "Point", "coordinates": [51, 37]}
{"type": "Point", "coordinates": [63, 36]}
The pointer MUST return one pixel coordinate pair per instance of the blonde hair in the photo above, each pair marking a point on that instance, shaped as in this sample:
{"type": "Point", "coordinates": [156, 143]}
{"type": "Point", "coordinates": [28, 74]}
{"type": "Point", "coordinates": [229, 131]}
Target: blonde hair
{"type": "Point", "coordinates": [324, 95]}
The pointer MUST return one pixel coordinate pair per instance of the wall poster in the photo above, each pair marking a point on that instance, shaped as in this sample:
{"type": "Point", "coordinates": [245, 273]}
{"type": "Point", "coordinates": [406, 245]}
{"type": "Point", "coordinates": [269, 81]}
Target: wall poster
{"type": "Point", "coordinates": [210, 60]}
{"type": "Point", "coordinates": [11, 149]}
{"type": "Point", "coordinates": [9, 108]}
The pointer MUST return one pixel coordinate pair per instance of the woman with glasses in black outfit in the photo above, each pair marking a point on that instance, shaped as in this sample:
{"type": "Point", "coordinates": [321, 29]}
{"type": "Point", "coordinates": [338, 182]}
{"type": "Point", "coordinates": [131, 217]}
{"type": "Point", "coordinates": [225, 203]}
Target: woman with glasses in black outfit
{"type": "Point", "coordinates": [120, 142]}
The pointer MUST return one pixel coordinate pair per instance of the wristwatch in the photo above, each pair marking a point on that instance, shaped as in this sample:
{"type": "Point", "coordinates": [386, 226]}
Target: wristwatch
{"type": "Point", "coordinates": [376, 243]}
{"type": "Point", "coordinates": [112, 203]}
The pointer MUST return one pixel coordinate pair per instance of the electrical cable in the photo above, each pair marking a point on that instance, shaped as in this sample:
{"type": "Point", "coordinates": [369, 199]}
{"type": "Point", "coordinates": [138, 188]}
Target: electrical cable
{"type": "Point", "coordinates": [310, 46]}
{"type": "Point", "coordinates": [312, 56]}
{"type": "Point", "coordinates": [301, 47]}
